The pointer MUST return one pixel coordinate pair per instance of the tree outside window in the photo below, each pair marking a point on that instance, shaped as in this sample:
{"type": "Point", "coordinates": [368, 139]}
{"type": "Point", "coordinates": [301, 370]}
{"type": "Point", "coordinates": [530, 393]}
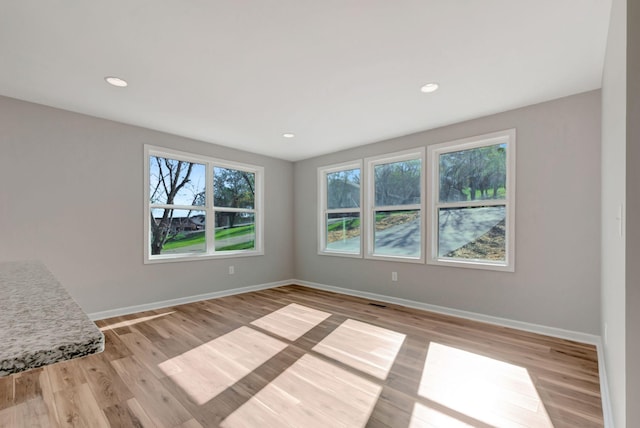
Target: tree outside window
{"type": "Point", "coordinates": [184, 193]}
{"type": "Point", "coordinates": [397, 207]}
{"type": "Point", "coordinates": [340, 229]}
{"type": "Point", "coordinates": [472, 217]}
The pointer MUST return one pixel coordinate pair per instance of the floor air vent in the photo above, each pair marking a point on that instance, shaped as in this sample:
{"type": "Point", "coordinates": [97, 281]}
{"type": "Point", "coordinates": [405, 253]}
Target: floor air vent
{"type": "Point", "coordinates": [378, 305]}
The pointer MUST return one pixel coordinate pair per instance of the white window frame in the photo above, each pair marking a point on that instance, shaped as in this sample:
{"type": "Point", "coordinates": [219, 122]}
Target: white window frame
{"type": "Point", "coordinates": [324, 211]}
{"type": "Point", "coordinates": [507, 137]}
{"type": "Point", "coordinates": [368, 218]}
{"type": "Point", "coordinates": [209, 207]}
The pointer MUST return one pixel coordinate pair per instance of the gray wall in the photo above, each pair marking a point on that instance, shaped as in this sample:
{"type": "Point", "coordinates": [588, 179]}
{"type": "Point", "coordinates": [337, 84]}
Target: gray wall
{"type": "Point", "coordinates": [633, 214]}
{"type": "Point", "coordinates": [72, 196]}
{"type": "Point", "coordinates": [557, 278]}
{"type": "Point", "coordinates": [613, 197]}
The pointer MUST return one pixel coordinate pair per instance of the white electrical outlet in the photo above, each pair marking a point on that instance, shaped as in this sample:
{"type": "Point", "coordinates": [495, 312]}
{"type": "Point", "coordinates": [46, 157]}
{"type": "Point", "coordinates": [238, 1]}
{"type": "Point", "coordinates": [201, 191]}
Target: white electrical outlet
{"type": "Point", "coordinates": [394, 276]}
{"type": "Point", "coordinates": [232, 270]}
{"type": "Point", "coordinates": [606, 333]}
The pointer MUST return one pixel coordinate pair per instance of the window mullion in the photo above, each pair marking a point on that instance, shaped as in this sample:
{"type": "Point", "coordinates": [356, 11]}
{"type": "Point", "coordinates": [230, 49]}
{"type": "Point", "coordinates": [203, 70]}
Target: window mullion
{"type": "Point", "coordinates": [397, 207]}
{"type": "Point", "coordinates": [342, 210]}
{"type": "Point", "coordinates": [211, 214]}
{"type": "Point", "coordinates": [471, 204]}
{"type": "Point", "coordinates": [177, 207]}
{"type": "Point", "coordinates": [235, 210]}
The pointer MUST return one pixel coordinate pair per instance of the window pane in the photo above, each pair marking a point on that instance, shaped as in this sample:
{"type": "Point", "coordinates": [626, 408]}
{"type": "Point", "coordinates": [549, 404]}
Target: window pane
{"type": "Point", "coordinates": [343, 232]}
{"type": "Point", "coordinates": [397, 233]}
{"type": "Point", "coordinates": [398, 183]}
{"type": "Point", "coordinates": [343, 189]}
{"type": "Point", "coordinates": [475, 174]}
{"type": "Point", "coordinates": [176, 182]}
{"type": "Point", "coordinates": [235, 231]}
{"type": "Point", "coordinates": [177, 231]}
{"type": "Point", "coordinates": [233, 188]}
{"type": "Point", "coordinates": [472, 233]}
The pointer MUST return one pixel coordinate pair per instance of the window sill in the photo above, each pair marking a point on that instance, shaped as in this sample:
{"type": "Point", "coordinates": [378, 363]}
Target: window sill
{"type": "Point", "coordinates": [472, 264]}
{"type": "Point", "coordinates": [171, 258]}
{"type": "Point", "coordinates": [402, 259]}
{"type": "Point", "coordinates": [340, 254]}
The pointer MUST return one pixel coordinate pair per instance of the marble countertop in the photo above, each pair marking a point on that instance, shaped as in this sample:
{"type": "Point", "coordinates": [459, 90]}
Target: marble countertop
{"type": "Point", "coordinates": [39, 321]}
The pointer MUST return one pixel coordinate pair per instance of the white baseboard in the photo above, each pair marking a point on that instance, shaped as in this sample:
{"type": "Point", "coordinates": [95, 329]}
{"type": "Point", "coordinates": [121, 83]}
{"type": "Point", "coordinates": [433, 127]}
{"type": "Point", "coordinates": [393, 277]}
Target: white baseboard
{"type": "Point", "coordinates": [504, 322]}
{"type": "Point", "coordinates": [607, 409]}
{"type": "Point", "coordinates": [182, 300]}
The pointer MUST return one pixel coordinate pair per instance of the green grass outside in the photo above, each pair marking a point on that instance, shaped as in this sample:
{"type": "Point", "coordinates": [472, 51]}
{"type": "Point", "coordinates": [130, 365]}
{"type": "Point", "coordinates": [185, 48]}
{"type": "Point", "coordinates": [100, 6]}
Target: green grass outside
{"type": "Point", "coordinates": [234, 231]}
{"type": "Point", "coordinates": [250, 245]}
{"type": "Point", "coordinates": [185, 240]}
{"type": "Point", "coordinates": [182, 240]}
{"type": "Point", "coordinates": [353, 223]}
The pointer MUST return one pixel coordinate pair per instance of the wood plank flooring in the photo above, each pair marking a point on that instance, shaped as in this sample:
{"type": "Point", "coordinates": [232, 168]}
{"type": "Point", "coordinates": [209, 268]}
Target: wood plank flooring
{"type": "Point", "coordinates": [299, 357]}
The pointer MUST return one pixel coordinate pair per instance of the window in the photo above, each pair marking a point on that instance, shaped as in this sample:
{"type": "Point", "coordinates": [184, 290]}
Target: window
{"type": "Point", "coordinates": [340, 202]}
{"type": "Point", "coordinates": [472, 204]}
{"type": "Point", "coordinates": [199, 207]}
{"type": "Point", "coordinates": [395, 203]}
{"type": "Point", "coordinates": [394, 200]}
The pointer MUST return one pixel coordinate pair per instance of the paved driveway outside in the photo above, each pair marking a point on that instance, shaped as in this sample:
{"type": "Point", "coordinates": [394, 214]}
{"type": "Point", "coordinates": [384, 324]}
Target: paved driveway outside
{"type": "Point", "coordinates": [458, 227]}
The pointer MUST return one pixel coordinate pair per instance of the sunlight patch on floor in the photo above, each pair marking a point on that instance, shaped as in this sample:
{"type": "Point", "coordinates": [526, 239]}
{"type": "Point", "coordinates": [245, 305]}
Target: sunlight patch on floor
{"type": "Point", "coordinates": [363, 346]}
{"type": "Point", "coordinates": [292, 321]}
{"type": "Point", "coordinates": [127, 323]}
{"type": "Point", "coordinates": [310, 393]}
{"type": "Point", "coordinates": [482, 388]}
{"type": "Point", "coordinates": [207, 370]}
{"type": "Point", "coordinates": [426, 417]}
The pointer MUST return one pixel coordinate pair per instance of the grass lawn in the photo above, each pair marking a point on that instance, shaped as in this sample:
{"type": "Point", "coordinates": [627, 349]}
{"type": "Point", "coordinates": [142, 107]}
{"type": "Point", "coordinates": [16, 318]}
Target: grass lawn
{"type": "Point", "coordinates": [352, 223]}
{"type": "Point", "coordinates": [249, 245]}
{"type": "Point", "coordinates": [234, 231]}
{"type": "Point", "coordinates": [182, 240]}
{"type": "Point", "coordinates": [195, 238]}
{"type": "Point", "coordinates": [350, 228]}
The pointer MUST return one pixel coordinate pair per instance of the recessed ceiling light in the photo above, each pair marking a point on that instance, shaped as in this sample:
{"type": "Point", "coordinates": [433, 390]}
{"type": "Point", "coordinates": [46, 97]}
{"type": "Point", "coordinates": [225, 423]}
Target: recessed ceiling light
{"type": "Point", "coordinates": [116, 81]}
{"type": "Point", "coordinates": [288, 135]}
{"type": "Point", "coordinates": [430, 87]}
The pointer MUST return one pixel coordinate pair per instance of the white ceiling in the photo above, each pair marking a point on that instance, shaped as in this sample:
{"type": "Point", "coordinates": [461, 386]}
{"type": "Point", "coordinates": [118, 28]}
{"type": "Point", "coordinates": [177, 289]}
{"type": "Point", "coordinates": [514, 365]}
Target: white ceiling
{"type": "Point", "coordinates": [337, 73]}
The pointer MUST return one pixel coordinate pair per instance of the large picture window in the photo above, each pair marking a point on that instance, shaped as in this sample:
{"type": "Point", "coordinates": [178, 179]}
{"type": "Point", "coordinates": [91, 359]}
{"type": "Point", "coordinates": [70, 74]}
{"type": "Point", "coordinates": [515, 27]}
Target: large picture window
{"type": "Point", "coordinates": [340, 206]}
{"type": "Point", "coordinates": [395, 204]}
{"type": "Point", "coordinates": [472, 205]}
{"type": "Point", "coordinates": [200, 207]}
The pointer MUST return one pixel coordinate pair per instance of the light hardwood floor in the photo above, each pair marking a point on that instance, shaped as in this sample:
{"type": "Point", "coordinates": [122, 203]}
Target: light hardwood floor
{"type": "Point", "coordinates": [294, 356]}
